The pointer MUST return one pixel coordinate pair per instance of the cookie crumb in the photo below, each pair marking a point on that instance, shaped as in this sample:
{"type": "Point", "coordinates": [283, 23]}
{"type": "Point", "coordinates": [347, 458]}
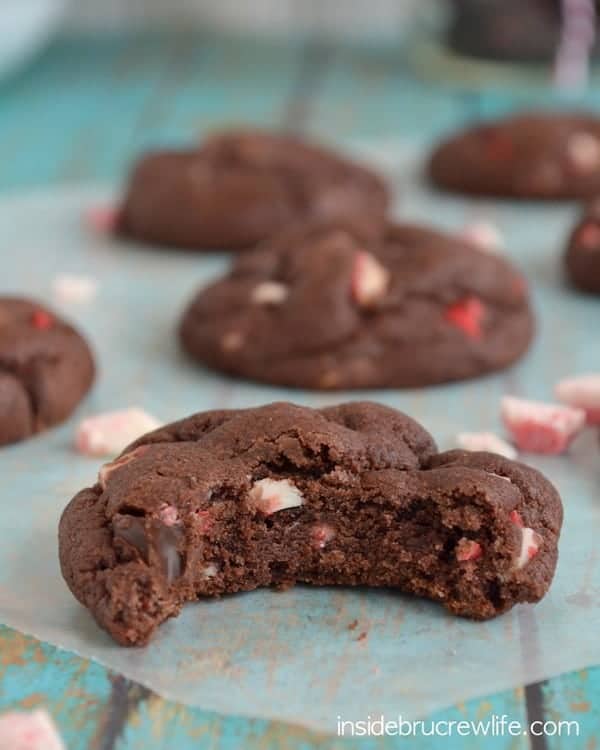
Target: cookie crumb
{"type": "Point", "coordinates": [353, 625]}
{"type": "Point", "coordinates": [362, 636]}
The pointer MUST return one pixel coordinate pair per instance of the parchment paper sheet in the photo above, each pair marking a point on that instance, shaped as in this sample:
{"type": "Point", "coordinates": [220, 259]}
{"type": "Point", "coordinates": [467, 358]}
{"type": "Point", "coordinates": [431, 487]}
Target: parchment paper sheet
{"type": "Point", "coordinates": [292, 655]}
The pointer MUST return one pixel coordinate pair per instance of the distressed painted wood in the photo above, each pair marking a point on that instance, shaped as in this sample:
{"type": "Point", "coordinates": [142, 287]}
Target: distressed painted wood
{"type": "Point", "coordinates": [96, 709]}
{"type": "Point", "coordinates": [80, 113]}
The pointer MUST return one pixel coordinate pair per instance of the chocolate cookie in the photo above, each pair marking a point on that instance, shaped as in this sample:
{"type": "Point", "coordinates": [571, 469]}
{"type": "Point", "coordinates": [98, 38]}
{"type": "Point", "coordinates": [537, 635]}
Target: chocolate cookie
{"type": "Point", "coordinates": [356, 494]}
{"type": "Point", "coordinates": [511, 30]}
{"type": "Point", "coordinates": [329, 308]}
{"type": "Point", "coordinates": [542, 156]}
{"type": "Point", "coordinates": [582, 258]}
{"type": "Point", "coordinates": [242, 186]}
{"type": "Point", "coordinates": [46, 368]}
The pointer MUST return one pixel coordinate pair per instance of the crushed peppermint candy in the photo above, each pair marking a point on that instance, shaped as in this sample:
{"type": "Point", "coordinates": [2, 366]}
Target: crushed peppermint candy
{"type": "Point", "coordinates": [269, 293]}
{"type": "Point", "coordinates": [584, 151]}
{"type": "Point", "coordinates": [322, 533]}
{"type": "Point", "coordinates": [537, 427]}
{"type": "Point", "coordinates": [102, 219]}
{"type": "Point", "coordinates": [483, 235]}
{"type": "Point", "coordinates": [168, 514]}
{"type": "Point", "coordinates": [485, 441]}
{"type": "Point", "coordinates": [581, 392]}
{"type": "Point", "coordinates": [370, 280]}
{"type": "Point", "coordinates": [531, 541]}
{"type": "Point", "coordinates": [588, 236]}
{"type": "Point", "coordinates": [467, 314]}
{"type": "Point", "coordinates": [42, 320]}
{"type": "Point", "coordinates": [71, 289]}
{"type": "Point", "coordinates": [232, 341]}
{"type": "Point", "coordinates": [210, 570]}
{"type": "Point", "coordinates": [110, 433]}
{"type": "Point", "coordinates": [272, 495]}
{"type": "Point", "coordinates": [29, 731]}
{"type": "Point", "coordinates": [468, 550]}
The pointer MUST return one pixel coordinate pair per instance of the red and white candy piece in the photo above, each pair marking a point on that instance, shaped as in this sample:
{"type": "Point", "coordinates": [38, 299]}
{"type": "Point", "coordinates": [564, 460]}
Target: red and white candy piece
{"type": "Point", "coordinates": [583, 150]}
{"type": "Point", "coordinates": [29, 731]}
{"type": "Point", "coordinates": [581, 392]}
{"type": "Point", "coordinates": [110, 433]}
{"type": "Point", "coordinates": [42, 320]}
{"type": "Point", "coordinates": [468, 550]}
{"type": "Point", "coordinates": [322, 533]}
{"type": "Point", "coordinates": [531, 541]}
{"type": "Point", "coordinates": [467, 314]}
{"type": "Point", "coordinates": [210, 570]}
{"type": "Point", "coordinates": [203, 521]}
{"type": "Point", "coordinates": [70, 289]}
{"type": "Point", "coordinates": [102, 219]}
{"type": "Point", "coordinates": [108, 469]}
{"type": "Point", "coordinates": [588, 236]}
{"type": "Point", "coordinates": [370, 280]}
{"type": "Point", "coordinates": [483, 235]}
{"type": "Point", "coordinates": [271, 495]}
{"type": "Point", "coordinates": [269, 293]}
{"type": "Point", "coordinates": [485, 441]}
{"type": "Point", "coordinates": [168, 514]}
{"type": "Point", "coordinates": [541, 428]}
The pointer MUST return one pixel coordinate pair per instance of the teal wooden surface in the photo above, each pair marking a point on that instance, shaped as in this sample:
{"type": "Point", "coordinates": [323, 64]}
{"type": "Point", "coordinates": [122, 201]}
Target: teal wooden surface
{"type": "Point", "coordinates": [81, 112]}
{"type": "Point", "coordinates": [96, 709]}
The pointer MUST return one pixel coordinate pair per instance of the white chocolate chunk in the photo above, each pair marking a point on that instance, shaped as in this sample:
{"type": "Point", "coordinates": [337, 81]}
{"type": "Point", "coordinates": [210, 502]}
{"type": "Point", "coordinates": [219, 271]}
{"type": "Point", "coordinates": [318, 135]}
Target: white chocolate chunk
{"type": "Point", "coordinates": [272, 495]}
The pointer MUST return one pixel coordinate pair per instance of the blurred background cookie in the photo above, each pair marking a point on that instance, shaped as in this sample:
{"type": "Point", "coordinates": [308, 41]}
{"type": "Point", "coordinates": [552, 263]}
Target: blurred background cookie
{"type": "Point", "coordinates": [582, 257]}
{"type": "Point", "coordinates": [242, 186]}
{"type": "Point", "coordinates": [46, 368]}
{"type": "Point", "coordinates": [326, 309]}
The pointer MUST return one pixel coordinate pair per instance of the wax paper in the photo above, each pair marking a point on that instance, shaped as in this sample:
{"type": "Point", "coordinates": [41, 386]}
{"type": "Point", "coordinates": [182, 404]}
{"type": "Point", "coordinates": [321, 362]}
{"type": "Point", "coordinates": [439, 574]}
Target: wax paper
{"type": "Point", "coordinates": [304, 655]}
